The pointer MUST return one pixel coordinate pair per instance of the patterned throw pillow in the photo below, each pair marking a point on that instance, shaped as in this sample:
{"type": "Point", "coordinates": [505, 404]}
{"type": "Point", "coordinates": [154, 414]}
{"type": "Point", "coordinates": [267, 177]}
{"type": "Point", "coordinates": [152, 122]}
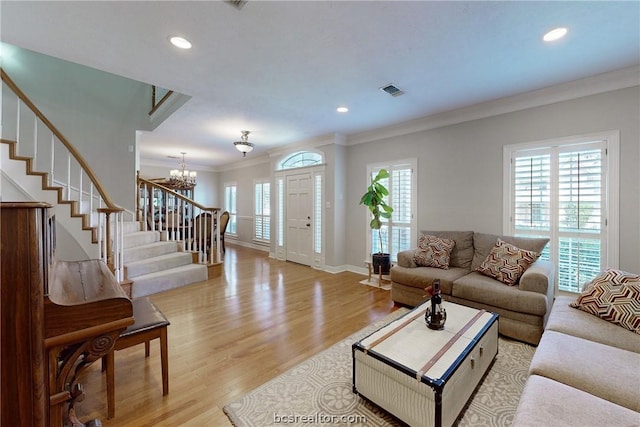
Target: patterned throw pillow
{"type": "Point", "coordinates": [507, 262]}
{"type": "Point", "coordinates": [614, 296]}
{"type": "Point", "coordinates": [433, 251]}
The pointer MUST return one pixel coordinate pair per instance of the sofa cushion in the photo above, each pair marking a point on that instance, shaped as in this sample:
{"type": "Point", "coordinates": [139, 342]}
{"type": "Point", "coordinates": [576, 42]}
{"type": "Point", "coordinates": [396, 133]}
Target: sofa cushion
{"type": "Point", "coordinates": [421, 277]}
{"type": "Point", "coordinates": [405, 259]}
{"type": "Point", "coordinates": [545, 402]}
{"type": "Point", "coordinates": [507, 262]}
{"type": "Point", "coordinates": [483, 243]}
{"type": "Point", "coordinates": [613, 296]}
{"type": "Point", "coordinates": [477, 287]}
{"type": "Point", "coordinates": [433, 251]}
{"type": "Point", "coordinates": [602, 370]}
{"type": "Point", "coordinates": [539, 278]}
{"type": "Point", "coordinates": [581, 324]}
{"type": "Point", "coordinates": [462, 252]}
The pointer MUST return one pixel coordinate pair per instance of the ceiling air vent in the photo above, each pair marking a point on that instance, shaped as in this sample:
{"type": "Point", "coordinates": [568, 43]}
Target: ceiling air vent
{"type": "Point", "coordinates": [238, 4]}
{"type": "Point", "coordinates": [392, 90]}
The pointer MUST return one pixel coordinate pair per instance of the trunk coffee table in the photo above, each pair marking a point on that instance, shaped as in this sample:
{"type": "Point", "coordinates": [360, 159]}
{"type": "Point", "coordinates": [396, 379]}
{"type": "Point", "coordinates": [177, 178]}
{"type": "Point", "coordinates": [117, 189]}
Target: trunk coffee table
{"type": "Point", "coordinates": [422, 376]}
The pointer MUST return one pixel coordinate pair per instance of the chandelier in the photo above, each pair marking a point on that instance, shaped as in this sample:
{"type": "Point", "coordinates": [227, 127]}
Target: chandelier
{"type": "Point", "coordinates": [243, 145]}
{"type": "Point", "coordinates": [182, 177]}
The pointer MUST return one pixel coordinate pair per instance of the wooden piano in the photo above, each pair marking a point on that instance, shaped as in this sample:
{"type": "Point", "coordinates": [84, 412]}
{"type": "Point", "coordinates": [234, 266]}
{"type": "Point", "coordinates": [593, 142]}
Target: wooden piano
{"type": "Point", "coordinates": [57, 318]}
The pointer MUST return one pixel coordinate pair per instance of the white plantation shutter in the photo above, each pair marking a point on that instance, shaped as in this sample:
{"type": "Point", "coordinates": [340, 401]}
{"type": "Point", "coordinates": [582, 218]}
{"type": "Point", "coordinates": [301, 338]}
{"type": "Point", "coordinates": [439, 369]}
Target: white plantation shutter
{"type": "Point", "coordinates": [532, 210]}
{"type": "Point", "coordinates": [401, 195]}
{"type": "Point", "coordinates": [230, 191]}
{"type": "Point", "coordinates": [280, 211]}
{"type": "Point", "coordinates": [317, 214]}
{"type": "Point", "coordinates": [262, 211]}
{"type": "Point", "coordinates": [580, 219]}
{"type": "Point", "coordinates": [399, 234]}
{"type": "Point", "coordinates": [559, 192]}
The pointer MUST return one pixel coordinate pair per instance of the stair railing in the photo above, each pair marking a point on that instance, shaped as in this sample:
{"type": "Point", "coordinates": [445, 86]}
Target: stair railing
{"type": "Point", "coordinates": [180, 219]}
{"type": "Point", "coordinates": [34, 139]}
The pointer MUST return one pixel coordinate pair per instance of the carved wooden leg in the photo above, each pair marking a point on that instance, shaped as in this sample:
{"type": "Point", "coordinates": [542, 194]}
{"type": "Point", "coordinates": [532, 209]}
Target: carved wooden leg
{"type": "Point", "coordinates": [67, 363]}
{"type": "Point", "coordinates": [109, 364]}
{"type": "Point", "coordinates": [164, 359]}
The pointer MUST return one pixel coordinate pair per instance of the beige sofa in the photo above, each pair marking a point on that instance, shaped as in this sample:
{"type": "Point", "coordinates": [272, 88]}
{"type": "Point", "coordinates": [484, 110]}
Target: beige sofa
{"type": "Point", "coordinates": [523, 308]}
{"type": "Point", "coordinates": [585, 372]}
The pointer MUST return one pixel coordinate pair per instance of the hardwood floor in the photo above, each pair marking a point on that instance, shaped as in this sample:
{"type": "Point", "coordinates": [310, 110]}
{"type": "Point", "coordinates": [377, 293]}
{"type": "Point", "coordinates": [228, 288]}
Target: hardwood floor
{"type": "Point", "coordinates": [229, 335]}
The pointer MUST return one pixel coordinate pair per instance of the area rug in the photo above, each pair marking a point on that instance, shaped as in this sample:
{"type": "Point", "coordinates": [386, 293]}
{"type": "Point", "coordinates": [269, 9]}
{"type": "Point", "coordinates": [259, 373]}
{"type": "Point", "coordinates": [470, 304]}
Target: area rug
{"type": "Point", "coordinates": [319, 391]}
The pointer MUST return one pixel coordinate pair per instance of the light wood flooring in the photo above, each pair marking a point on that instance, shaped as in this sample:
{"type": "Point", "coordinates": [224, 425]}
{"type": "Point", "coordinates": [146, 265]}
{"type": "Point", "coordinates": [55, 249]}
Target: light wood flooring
{"type": "Point", "coordinates": [229, 335]}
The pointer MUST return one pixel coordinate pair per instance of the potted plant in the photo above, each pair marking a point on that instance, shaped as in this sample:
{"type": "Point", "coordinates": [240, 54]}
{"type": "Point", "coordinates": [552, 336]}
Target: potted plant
{"type": "Point", "coordinates": [374, 200]}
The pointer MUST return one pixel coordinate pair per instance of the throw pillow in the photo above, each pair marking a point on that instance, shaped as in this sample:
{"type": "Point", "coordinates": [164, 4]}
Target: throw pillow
{"type": "Point", "coordinates": [614, 296]}
{"type": "Point", "coordinates": [433, 251]}
{"type": "Point", "coordinates": [507, 262]}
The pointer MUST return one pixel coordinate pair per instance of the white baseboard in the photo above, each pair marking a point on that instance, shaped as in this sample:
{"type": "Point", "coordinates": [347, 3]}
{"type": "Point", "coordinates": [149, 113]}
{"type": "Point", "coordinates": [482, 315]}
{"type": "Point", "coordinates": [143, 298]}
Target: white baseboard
{"type": "Point", "coordinates": [248, 245]}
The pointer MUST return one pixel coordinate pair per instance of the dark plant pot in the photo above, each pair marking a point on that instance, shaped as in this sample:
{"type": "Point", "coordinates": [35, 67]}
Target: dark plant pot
{"type": "Point", "coordinates": [381, 263]}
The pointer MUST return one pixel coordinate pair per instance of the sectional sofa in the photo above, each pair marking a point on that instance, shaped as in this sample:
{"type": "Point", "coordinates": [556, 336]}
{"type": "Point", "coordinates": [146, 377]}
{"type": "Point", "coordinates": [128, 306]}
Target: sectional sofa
{"type": "Point", "coordinates": [523, 308]}
{"type": "Point", "coordinates": [585, 372]}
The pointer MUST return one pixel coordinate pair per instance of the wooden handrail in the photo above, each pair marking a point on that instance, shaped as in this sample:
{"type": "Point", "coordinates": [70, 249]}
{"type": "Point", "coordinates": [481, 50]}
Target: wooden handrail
{"type": "Point", "coordinates": [176, 194]}
{"type": "Point", "coordinates": [83, 163]}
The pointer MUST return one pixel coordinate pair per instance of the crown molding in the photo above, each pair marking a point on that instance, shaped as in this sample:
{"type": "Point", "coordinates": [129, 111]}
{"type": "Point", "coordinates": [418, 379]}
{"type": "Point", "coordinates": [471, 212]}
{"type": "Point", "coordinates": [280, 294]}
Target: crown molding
{"type": "Point", "coordinates": [606, 82]}
{"type": "Point", "coordinates": [244, 163]}
{"type": "Point", "coordinates": [171, 164]}
{"type": "Point", "coordinates": [322, 140]}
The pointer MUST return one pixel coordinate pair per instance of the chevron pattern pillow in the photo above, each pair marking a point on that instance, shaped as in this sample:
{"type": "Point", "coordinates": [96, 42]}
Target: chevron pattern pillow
{"type": "Point", "coordinates": [507, 262]}
{"type": "Point", "coordinates": [614, 296]}
{"type": "Point", "coordinates": [433, 251]}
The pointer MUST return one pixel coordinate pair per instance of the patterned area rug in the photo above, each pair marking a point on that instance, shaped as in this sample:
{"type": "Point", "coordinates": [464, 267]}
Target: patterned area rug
{"type": "Point", "coordinates": [319, 391]}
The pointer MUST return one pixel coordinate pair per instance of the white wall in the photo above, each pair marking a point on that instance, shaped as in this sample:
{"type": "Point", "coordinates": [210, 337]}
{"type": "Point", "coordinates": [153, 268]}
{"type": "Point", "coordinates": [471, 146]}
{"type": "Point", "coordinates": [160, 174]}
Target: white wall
{"type": "Point", "coordinates": [97, 112]}
{"type": "Point", "coordinates": [244, 177]}
{"type": "Point", "coordinates": [460, 166]}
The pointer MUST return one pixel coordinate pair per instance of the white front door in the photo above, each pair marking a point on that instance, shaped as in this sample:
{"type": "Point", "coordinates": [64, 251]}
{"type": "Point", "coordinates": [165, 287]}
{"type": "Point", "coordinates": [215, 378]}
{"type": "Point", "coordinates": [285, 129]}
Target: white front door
{"type": "Point", "coordinates": [298, 218]}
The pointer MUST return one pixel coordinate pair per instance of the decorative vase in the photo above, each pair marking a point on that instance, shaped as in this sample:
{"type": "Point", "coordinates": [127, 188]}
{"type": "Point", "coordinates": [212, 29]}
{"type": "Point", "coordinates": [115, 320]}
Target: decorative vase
{"type": "Point", "coordinates": [381, 263]}
{"type": "Point", "coordinates": [436, 315]}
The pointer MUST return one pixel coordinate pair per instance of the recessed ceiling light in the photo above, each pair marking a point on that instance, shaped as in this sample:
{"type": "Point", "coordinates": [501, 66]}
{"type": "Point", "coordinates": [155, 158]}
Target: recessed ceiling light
{"type": "Point", "coordinates": [555, 34]}
{"type": "Point", "coordinates": [342, 109]}
{"type": "Point", "coordinates": [180, 42]}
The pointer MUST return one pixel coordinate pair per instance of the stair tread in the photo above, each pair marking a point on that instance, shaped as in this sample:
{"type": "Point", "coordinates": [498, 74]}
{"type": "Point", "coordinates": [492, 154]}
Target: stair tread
{"type": "Point", "coordinates": [159, 258]}
{"type": "Point", "coordinates": [168, 279]}
{"type": "Point", "coordinates": [173, 270]}
{"type": "Point", "coordinates": [153, 244]}
{"type": "Point", "coordinates": [140, 233]}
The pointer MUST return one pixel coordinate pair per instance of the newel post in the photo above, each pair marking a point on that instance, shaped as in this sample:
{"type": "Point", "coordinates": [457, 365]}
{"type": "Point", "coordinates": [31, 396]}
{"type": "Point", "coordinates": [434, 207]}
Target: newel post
{"type": "Point", "coordinates": [108, 237]}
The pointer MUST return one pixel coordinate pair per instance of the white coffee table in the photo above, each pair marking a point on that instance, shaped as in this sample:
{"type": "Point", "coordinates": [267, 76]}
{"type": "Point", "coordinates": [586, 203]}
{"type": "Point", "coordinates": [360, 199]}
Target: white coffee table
{"type": "Point", "coordinates": [421, 376]}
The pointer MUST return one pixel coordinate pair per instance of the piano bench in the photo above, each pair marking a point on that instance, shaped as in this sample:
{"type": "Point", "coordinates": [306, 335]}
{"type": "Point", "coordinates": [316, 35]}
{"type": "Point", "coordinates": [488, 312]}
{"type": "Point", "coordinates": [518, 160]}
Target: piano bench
{"type": "Point", "coordinates": [149, 324]}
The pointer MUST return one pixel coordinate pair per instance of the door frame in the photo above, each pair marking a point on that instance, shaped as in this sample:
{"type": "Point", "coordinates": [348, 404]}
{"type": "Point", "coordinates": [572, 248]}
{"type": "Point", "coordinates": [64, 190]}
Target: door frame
{"type": "Point", "coordinates": [318, 219]}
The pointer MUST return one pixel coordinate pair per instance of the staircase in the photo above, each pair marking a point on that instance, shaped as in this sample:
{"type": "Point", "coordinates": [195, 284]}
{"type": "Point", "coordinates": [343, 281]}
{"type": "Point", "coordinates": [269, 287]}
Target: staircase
{"type": "Point", "coordinates": [156, 265]}
{"type": "Point", "coordinates": [145, 262]}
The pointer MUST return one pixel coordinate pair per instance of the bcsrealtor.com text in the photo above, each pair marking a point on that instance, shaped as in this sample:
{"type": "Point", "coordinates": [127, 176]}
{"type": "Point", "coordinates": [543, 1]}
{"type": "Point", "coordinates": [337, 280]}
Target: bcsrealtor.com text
{"type": "Point", "coordinates": [319, 418]}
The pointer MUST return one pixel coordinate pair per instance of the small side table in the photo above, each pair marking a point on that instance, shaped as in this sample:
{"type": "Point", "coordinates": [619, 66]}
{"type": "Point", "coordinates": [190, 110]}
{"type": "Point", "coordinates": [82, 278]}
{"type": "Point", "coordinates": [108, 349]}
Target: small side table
{"type": "Point", "coordinates": [382, 278]}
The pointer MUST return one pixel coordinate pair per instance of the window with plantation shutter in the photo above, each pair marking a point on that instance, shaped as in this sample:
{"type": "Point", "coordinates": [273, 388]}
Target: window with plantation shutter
{"type": "Point", "coordinates": [562, 190]}
{"type": "Point", "coordinates": [262, 218]}
{"type": "Point", "coordinates": [280, 211]}
{"type": "Point", "coordinates": [230, 191]}
{"type": "Point", "coordinates": [317, 214]}
{"type": "Point", "coordinates": [399, 233]}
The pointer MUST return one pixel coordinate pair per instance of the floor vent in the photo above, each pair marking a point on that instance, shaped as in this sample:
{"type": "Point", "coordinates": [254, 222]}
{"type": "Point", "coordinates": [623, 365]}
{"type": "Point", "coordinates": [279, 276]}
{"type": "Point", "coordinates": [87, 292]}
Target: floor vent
{"type": "Point", "coordinates": [238, 4]}
{"type": "Point", "coordinates": [392, 90]}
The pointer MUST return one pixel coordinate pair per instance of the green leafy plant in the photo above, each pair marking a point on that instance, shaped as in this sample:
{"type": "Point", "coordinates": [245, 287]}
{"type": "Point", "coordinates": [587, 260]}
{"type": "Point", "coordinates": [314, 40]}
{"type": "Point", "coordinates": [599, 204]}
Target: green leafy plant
{"type": "Point", "coordinates": [374, 199]}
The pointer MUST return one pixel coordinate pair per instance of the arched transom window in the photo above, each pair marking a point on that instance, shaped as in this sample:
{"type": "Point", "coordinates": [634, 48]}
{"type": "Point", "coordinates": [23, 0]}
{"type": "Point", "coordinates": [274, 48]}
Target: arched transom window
{"type": "Point", "coordinates": [300, 159]}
